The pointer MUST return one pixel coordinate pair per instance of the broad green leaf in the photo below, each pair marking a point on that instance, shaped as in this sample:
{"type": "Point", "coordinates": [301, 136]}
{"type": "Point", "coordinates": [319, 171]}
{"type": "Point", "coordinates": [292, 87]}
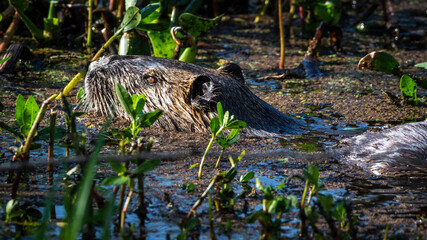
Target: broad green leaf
{"type": "Point", "coordinates": [189, 54]}
{"type": "Point", "coordinates": [220, 112]}
{"type": "Point", "coordinates": [222, 142]}
{"type": "Point", "coordinates": [149, 13]}
{"type": "Point", "coordinates": [226, 118]}
{"type": "Point", "coordinates": [379, 61]}
{"type": "Point", "coordinates": [163, 43]}
{"type": "Point", "coordinates": [118, 167]}
{"type": "Point", "coordinates": [214, 125]}
{"type": "Point", "coordinates": [44, 133]}
{"type": "Point", "coordinates": [247, 177]}
{"type": "Point", "coordinates": [326, 202]}
{"type": "Point", "coordinates": [195, 25]}
{"type": "Point", "coordinates": [231, 174]}
{"type": "Point", "coordinates": [233, 136]}
{"type": "Point", "coordinates": [236, 124]}
{"type": "Point", "coordinates": [125, 99]}
{"type": "Point", "coordinates": [312, 174]}
{"type": "Point", "coordinates": [130, 3]}
{"type": "Point", "coordinates": [115, 180]}
{"type": "Point", "coordinates": [147, 119]}
{"type": "Point", "coordinates": [146, 166]}
{"type": "Point", "coordinates": [421, 65]}
{"type": "Point", "coordinates": [30, 113]}
{"type": "Point", "coordinates": [329, 11]}
{"type": "Point", "coordinates": [138, 103]}
{"type": "Point", "coordinates": [80, 95]}
{"type": "Point", "coordinates": [19, 110]}
{"type": "Point", "coordinates": [131, 19]}
{"type": "Point", "coordinates": [408, 88]}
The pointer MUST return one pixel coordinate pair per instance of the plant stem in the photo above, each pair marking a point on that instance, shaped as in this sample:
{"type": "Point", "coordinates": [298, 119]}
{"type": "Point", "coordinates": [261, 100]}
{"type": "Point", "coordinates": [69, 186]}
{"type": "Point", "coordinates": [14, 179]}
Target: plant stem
{"type": "Point", "coordinates": [125, 208]}
{"type": "Point", "coordinates": [282, 36]}
{"type": "Point", "coordinates": [204, 156]}
{"type": "Point", "coordinates": [7, 37]}
{"type": "Point", "coordinates": [89, 27]}
{"type": "Point", "coordinates": [50, 156]}
{"type": "Point", "coordinates": [219, 158]}
{"type": "Point", "coordinates": [205, 193]}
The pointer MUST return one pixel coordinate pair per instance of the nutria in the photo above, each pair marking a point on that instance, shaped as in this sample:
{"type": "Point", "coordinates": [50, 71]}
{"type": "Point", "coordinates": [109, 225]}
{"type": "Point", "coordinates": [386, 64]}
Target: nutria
{"type": "Point", "coordinates": [187, 94]}
{"type": "Point", "coordinates": [397, 151]}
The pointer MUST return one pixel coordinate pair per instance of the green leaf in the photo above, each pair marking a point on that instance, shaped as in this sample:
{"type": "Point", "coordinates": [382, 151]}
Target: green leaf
{"type": "Point", "coordinates": [242, 154]}
{"type": "Point", "coordinates": [214, 125]}
{"type": "Point", "coordinates": [226, 118]}
{"type": "Point", "coordinates": [138, 103]}
{"type": "Point", "coordinates": [163, 43]}
{"type": "Point", "coordinates": [236, 124]}
{"type": "Point", "coordinates": [131, 19]}
{"type": "Point", "coordinates": [118, 167]}
{"type": "Point", "coordinates": [125, 99]}
{"type": "Point", "coordinates": [220, 112]}
{"type": "Point", "coordinates": [149, 12]}
{"type": "Point", "coordinates": [195, 25]}
{"type": "Point", "coordinates": [222, 142]}
{"type": "Point", "coordinates": [193, 166]}
{"type": "Point", "coordinates": [130, 3]}
{"type": "Point", "coordinates": [146, 166]}
{"type": "Point", "coordinates": [233, 136]}
{"type": "Point", "coordinates": [281, 185]}
{"type": "Point", "coordinates": [189, 54]}
{"type": "Point", "coordinates": [4, 60]}
{"type": "Point", "coordinates": [312, 174]}
{"type": "Point", "coordinates": [115, 180]}
{"type": "Point", "coordinates": [259, 186]}
{"type": "Point", "coordinates": [408, 88]}
{"type": "Point", "coordinates": [19, 110]}
{"type": "Point", "coordinates": [31, 110]}
{"type": "Point", "coordinates": [80, 95]}
{"type": "Point", "coordinates": [231, 174]}
{"type": "Point", "coordinates": [147, 119]}
{"type": "Point", "coordinates": [247, 177]}
{"type": "Point", "coordinates": [421, 65]}
{"type": "Point", "coordinates": [329, 11]}
{"type": "Point", "coordinates": [379, 61]}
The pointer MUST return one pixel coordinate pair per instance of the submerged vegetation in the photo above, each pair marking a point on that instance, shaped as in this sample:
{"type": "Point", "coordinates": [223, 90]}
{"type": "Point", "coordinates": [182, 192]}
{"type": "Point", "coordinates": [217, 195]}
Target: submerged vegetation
{"type": "Point", "coordinates": [107, 182]}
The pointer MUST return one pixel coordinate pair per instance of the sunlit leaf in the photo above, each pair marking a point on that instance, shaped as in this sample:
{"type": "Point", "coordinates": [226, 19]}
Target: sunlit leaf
{"type": "Point", "coordinates": [148, 119]}
{"type": "Point", "coordinates": [115, 180]}
{"type": "Point", "coordinates": [236, 124]}
{"type": "Point", "coordinates": [29, 116]}
{"type": "Point", "coordinates": [220, 112]}
{"type": "Point", "coordinates": [148, 12]}
{"type": "Point", "coordinates": [247, 177]}
{"type": "Point", "coordinates": [80, 95]}
{"type": "Point", "coordinates": [131, 19]}
{"type": "Point", "coordinates": [4, 60]}
{"type": "Point", "coordinates": [194, 165]}
{"type": "Point", "coordinates": [138, 103]}
{"type": "Point", "coordinates": [421, 65]}
{"type": "Point", "coordinates": [163, 43]}
{"type": "Point", "coordinates": [195, 25]}
{"type": "Point", "coordinates": [125, 99]}
{"type": "Point", "coordinates": [408, 88]}
{"type": "Point", "coordinates": [214, 125]}
{"type": "Point", "coordinates": [146, 166]}
{"type": "Point", "coordinates": [118, 167]}
{"type": "Point", "coordinates": [19, 110]}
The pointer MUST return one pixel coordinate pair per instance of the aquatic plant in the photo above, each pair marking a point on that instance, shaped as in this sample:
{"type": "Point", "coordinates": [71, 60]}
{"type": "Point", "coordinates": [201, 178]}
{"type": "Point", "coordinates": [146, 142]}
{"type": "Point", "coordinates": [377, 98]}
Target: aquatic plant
{"type": "Point", "coordinates": [217, 125]}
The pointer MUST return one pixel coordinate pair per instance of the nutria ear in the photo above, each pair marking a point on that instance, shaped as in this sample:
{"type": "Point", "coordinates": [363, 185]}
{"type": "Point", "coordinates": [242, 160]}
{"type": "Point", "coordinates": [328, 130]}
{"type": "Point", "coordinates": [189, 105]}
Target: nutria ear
{"type": "Point", "coordinates": [203, 93]}
{"type": "Point", "coordinates": [233, 70]}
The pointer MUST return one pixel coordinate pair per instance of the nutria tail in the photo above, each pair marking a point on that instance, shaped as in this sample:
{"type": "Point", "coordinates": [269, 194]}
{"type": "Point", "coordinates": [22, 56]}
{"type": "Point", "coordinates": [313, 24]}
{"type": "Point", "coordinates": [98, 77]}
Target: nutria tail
{"type": "Point", "coordinates": [397, 151]}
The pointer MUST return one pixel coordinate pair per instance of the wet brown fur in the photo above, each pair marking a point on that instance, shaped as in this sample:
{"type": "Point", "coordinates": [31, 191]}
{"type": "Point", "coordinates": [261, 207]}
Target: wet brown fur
{"type": "Point", "coordinates": [187, 94]}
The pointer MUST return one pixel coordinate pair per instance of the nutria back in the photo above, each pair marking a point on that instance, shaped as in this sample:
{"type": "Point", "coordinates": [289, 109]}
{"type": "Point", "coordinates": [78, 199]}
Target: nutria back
{"type": "Point", "coordinates": [397, 151]}
{"type": "Point", "coordinates": [187, 94]}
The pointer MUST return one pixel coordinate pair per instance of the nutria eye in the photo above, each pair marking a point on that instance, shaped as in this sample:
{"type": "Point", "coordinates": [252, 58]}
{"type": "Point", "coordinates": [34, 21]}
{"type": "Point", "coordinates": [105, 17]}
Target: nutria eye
{"type": "Point", "coordinates": [151, 80]}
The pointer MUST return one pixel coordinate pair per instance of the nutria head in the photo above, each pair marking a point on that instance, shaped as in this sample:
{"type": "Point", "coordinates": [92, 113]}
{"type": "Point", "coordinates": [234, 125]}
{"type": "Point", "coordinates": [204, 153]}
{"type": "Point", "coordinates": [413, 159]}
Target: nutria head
{"type": "Point", "coordinates": [187, 94]}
